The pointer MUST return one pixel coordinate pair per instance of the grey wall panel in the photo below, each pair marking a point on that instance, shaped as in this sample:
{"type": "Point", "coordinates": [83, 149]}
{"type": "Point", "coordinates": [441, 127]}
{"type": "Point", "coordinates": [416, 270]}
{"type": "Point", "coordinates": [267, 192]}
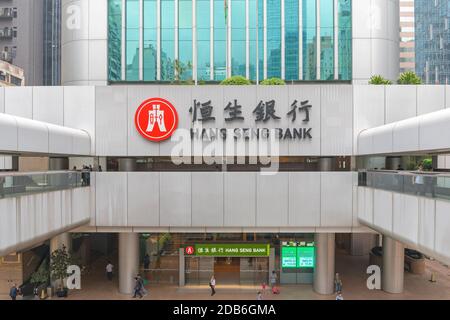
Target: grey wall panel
{"type": "Point", "coordinates": [240, 199]}
{"type": "Point", "coordinates": [138, 145]}
{"type": "Point", "coordinates": [111, 199]}
{"type": "Point", "coordinates": [143, 199]}
{"type": "Point", "coordinates": [175, 199]}
{"type": "Point", "coordinates": [207, 199]}
{"type": "Point", "coordinates": [48, 104]}
{"type": "Point", "coordinates": [111, 121]}
{"type": "Point", "coordinates": [304, 199]}
{"type": "Point", "coordinates": [272, 199]}
{"type": "Point", "coordinates": [337, 122]}
{"type": "Point", "coordinates": [336, 199]}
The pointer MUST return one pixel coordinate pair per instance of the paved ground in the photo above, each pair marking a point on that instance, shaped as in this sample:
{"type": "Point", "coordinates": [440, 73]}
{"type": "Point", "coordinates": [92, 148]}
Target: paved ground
{"type": "Point", "coordinates": [352, 271]}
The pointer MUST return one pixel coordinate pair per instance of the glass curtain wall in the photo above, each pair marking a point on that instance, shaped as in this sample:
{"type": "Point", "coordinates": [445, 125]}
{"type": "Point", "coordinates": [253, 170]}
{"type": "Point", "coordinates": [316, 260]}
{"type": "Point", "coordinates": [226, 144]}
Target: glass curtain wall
{"type": "Point", "coordinates": [304, 44]}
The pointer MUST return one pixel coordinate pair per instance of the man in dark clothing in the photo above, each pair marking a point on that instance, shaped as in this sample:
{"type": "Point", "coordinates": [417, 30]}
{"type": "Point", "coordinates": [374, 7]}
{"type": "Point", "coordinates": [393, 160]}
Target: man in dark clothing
{"type": "Point", "coordinates": [137, 288]}
{"type": "Point", "coordinates": [13, 292]}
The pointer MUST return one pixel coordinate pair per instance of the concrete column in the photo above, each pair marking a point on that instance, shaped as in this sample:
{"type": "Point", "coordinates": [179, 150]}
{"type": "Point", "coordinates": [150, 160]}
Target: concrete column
{"type": "Point", "coordinates": [182, 265]}
{"type": "Point", "coordinates": [271, 263]}
{"type": "Point", "coordinates": [58, 164]}
{"type": "Point", "coordinates": [128, 261]}
{"type": "Point", "coordinates": [393, 163]}
{"type": "Point", "coordinates": [325, 164]}
{"type": "Point", "coordinates": [393, 263]}
{"type": "Point", "coordinates": [127, 164]}
{"type": "Point", "coordinates": [324, 271]}
{"type": "Point", "coordinates": [64, 239]}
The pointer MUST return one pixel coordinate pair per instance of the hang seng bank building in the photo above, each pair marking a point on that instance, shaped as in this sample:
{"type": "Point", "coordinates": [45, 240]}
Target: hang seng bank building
{"type": "Point", "coordinates": [232, 180]}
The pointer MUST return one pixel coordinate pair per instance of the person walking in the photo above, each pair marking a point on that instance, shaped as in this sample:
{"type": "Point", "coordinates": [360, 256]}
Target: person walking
{"type": "Point", "coordinates": [273, 279]}
{"type": "Point", "coordinates": [137, 288]}
{"type": "Point", "coordinates": [212, 284]}
{"type": "Point", "coordinates": [143, 290]}
{"type": "Point", "coordinates": [259, 296]}
{"type": "Point", "coordinates": [109, 271]}
{"type": "Point", "coordinates": [13, 292]}
{"type": "Point", "coordinates": [339, 296]}
{"type": "Point", "coordinates": [337, 283]}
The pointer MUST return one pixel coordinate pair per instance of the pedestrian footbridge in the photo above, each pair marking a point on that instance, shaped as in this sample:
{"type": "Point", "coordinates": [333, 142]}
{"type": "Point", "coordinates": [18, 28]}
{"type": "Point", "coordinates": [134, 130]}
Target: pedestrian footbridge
{"type": "Point", "coordinates": [413, 208]}
{"type": "Point", "coordinates": [37, 206]}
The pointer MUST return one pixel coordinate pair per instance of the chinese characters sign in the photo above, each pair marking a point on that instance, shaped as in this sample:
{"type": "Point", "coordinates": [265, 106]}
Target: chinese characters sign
{"type": "Point", "coordinates": [229, 250]}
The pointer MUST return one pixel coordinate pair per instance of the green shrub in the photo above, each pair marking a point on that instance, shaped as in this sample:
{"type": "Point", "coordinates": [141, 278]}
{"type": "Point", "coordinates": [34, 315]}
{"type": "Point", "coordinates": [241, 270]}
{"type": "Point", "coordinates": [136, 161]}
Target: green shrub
{"type": "Point", "coordinates": [409, 77]}
{"type": "Point", "coordinates": [273, 82]}
{"type": "Point", "coordinates": [379, 80]}
{"type": "Point", "coordinates": [427, 164]}
{"type": "Point", "coordinates": [236, 81]}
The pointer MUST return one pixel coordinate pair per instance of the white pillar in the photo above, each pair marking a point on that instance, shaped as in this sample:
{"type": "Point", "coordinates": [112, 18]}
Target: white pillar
{"type": "Point", "coordinates": [64, 239]}
{"type": "Point", "coordinates": [324, 270]}
{"type": "Point", "coordinates": [128, 261]}
{"type": "Point", "coordinates": [393, 264]}
{"type": "Point", "coordinates": [182, 271]}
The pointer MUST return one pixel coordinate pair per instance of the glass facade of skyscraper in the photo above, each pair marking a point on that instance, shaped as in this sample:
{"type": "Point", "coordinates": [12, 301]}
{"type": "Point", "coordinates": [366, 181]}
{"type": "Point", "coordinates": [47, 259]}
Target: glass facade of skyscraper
{"type": "Point", "coordinates": [209, 40]}
{"type": "Point", "coordinates": [432, 40]}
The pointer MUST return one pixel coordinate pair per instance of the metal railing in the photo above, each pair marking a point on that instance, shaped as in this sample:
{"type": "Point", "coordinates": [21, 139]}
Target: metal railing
{"type": "Point", "coordinates": [425, 184]}
{"type": "Point", "coordinates": [18, 184]}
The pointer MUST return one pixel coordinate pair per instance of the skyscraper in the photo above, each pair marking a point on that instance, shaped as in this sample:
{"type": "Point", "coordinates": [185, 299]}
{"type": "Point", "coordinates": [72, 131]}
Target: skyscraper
{"type": "Point", "coordinates": [432, 41]}
{"type": "Point", "coordinates": [52, 42]}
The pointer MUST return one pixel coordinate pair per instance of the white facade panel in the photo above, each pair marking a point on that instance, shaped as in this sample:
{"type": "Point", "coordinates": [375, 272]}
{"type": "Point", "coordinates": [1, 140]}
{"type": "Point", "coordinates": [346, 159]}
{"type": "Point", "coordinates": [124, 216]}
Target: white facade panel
{"type": "Point", "coordinates": [66, 207]}
{"type": "Point", "coordinates": [111, 199]}
{"type": "Point", "coordinates": [433, 128]}
{"type": "Point", "coordinates": [111, 121]}
{"type": "Point", "coordinates": [48, 105]}
{"type": "Point", "coordinates": [32, 136]}
{"type": "Point", "coordinates": [336, 124]}
{"type": "Point", "coordinates": [19, 101]}
{"type": "Point", "coordinates": [207, 199]}
{"type": "Point", "coordinates": [8, 132]}
{"type": "Point", "coordinates": [382, 209]}
{"type": "Point", "coordinates": [304, 199]}
{"type": "Point", "coordinates": [79, 110]}
{"type": "Point", "coordinates": [26, 218]}
{"type": "Point", "coordinates": [427, 220]}
{"type": "Point", "coordinates": [240, 199]}
{"type": "Point", "coordinates": [336, 209]}
{"type": "Point", "coordinates": [272, 198]}
{"type": "Point", "coordinates": [442, 239]}
{"type": "Point", "coordinates": [401, 102]}
{"type": "Point", "coordinates": [406, 216]}
{"type": "Point", "coordinates": [175, 199]}
{"type": "Point", "coordinates": [406, 135]}
{"type": "Point", "coordinates": [143, 199]}
{"type": "Point", "coordinates": [8, 222]}
{"type": "Point", "coordinates": [430, 98]}
{"type": "Point", "coordinates": [81, 204]}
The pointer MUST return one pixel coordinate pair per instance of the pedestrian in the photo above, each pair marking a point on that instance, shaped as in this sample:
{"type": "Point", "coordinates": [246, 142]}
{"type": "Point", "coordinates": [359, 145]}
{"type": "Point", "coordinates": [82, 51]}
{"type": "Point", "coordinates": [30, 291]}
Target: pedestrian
{"type": "Point", "coordinates": [109, 271]}
{"type": "Point", "coordinates": [259, 296]}
{"type": "Point", "coordinates": [146, 262]}
{"type": "Point", "coordinates": [143, 290]}
{"type": "Point", "coordinates": [137, 288]}
{"type": "Point", "coordinates": [337, 283]}
{"type": "Point", "coordinates": [100, 168]}
{"type": "Point", "coordinates": [339, 296]}
{"type": "Point", "coordinates": [273, 279]}
{"type": "Point", "coordinates": [212, 284]}
{"type": "Point", "coordinates": [13, 292]}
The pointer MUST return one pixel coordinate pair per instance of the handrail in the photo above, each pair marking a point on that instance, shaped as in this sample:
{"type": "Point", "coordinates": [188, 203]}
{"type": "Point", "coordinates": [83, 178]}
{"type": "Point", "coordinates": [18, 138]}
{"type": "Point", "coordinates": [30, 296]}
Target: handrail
{"type": "Point", "coordinates": [425, 184]}
{"type": "Point", "coordinates": [14, 184]}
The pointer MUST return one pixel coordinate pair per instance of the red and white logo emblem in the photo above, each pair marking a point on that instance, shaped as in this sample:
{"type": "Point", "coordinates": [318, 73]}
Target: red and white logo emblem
{"type": "Point", "coordinates": [189, 251]}
{"type": "Point", "coordinates": [156, 119]}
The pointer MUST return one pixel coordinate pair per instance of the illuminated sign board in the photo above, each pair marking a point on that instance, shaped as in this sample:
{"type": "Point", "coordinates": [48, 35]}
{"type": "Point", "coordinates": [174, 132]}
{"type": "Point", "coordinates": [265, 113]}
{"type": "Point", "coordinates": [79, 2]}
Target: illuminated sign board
{"type": "Point", "coordinates": [298, 255]}
{"type": "Point", "coordinates": [229, 250]}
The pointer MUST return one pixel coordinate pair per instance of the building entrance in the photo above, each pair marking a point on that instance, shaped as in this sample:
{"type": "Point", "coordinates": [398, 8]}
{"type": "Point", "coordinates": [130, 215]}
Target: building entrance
{"type": "Point", "coordinates": [227, 270]}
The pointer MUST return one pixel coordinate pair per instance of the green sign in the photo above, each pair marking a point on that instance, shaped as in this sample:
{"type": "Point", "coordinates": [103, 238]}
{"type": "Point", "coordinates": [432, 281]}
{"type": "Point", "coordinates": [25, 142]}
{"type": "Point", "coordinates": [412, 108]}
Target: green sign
{"type": "Point", "coordinates": [305, 257]}
{"type": "Point", "coordinates": [296, 255]}
{"type": "Point", "coordinates": [230, 250]}
{"type": "Point", "coordinates": [289, 257]}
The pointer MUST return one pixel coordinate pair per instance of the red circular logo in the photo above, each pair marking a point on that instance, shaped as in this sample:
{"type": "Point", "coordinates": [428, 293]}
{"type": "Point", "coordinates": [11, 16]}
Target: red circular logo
{"type": "Point", "coordinates": [189, 250]}
{"type": "Point", "coordinates": [156, 119]}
